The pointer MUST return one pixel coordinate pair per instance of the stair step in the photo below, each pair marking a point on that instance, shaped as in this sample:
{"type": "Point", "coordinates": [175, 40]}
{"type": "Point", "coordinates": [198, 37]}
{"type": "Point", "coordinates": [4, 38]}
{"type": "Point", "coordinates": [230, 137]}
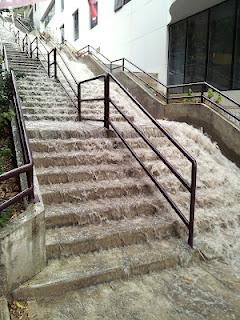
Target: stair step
{"type": "Point", "coordinates": [36, 104]}
{"type": "Point", "coordinates": [80, 192]}
{"type": "Point", "coordinates": [56, 175]}
{"type": "Point", "coordinates": [76, 240]}
{"type": "Point", "coordinates": [74, 158]}
{"type": "Point", "coordinates": [97, 144]}
{"type": "Point", "coordinates": [38, 90]}
{"type": "Point", "coordinates": [43, 98]}
{"type": "Point", "coordinates": [55, 117]}
{"type": "Point", "coordinates": [120, 263]}
{"type": "Point", "coordinates": [50, 110]}
{"type": "Point", "coordinates": [98, 211]}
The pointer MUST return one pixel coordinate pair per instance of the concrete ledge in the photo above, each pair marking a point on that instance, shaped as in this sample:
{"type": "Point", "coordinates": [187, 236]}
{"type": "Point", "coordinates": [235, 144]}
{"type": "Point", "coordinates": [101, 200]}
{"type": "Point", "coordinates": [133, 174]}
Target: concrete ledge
{"type": "Point", "coordinates": [22, 241]}
{"type": "Point", "coordinates": [4, 312]}
{"type": "Point", "coordinates": [218, 128]}
{"type": "Point", "coordinates": [22, 248]}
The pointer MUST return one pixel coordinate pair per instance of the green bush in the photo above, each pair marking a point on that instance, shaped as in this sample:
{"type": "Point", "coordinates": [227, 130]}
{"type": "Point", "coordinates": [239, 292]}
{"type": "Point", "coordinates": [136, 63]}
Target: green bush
{"type": "Point", "coordinates": [6, 112]}
{"type": "Point", "coordinates": [5, 215]}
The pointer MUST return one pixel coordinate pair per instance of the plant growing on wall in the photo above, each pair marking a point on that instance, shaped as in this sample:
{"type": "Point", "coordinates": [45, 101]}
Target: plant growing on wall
{"type": "Point", "coordinates": [6, 113]}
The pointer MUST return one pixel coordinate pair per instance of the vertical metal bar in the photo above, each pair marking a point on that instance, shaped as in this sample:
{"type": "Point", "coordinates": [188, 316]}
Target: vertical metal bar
{"type": "Point", "coordinates": [192, 204]}
{"type": "Point", "coordinates": [106, 100]}
{"type": "Point", "coordinates": [79, 102]}
{"type": "Point", "coordinates": [88, 48]}
{"type": "Point", "coordinates": [111, 67]}
{"type": "Point", "coordinates": [49, 73]}
{"type": "Point", "coordinates": [37, 48]}
{"type": "Point", "coordinates": [55, 62]}
{"type": "Point", "coordinates": [123, 64]}
{"type": "Point", "coordinates": [31, 54]}
{"type": "Point", "coordinates": [167, 95]}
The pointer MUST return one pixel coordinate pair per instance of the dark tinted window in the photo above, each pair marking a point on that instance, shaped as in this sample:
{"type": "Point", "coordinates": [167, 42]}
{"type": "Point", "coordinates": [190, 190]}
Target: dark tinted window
{"type": "Point", "coordinates": [236, 72]}
{"type": "Point", "coordinates": [222, 20]}
{"type": "Point", "coordinates": [62, 33]}
{"type": "Point", "coordinates": [177, 45]}
{"type": "Point", "coordinates": [75, 25]}
{"type": "Point", "coordinates": [196, 53]}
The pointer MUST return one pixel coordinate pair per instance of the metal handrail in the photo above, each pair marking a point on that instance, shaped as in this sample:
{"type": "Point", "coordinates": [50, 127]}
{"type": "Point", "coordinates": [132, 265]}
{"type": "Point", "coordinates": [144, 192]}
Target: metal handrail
{"type": "Point", "coordinates": [191, 187]}
{"type": "Point", "coordinates": [27, 166]}
{"type": "Point", "coordinates": [166, 95]}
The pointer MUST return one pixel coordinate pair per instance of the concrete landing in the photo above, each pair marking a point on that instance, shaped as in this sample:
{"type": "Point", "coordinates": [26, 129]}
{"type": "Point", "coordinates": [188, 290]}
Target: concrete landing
{"type": "Point", "coordinates": [208, 291]}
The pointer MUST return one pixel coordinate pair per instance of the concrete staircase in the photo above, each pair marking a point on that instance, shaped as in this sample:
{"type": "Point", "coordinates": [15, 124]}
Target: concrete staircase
{"type": "Point", "coordinates": [105, 219]}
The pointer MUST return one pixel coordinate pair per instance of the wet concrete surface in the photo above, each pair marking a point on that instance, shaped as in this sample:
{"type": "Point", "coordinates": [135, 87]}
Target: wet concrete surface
{"type": "Point", "coordinates": [205, 291]}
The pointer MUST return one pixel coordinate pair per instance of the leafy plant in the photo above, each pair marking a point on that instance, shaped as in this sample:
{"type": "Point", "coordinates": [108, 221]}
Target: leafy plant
{"type": "Point", "coordinates": [5, 215]}
{"type": "Point", "coordinates": [219, 99]}
{"type": "Point", "coordinates": [190, 92]}
{"type": "Point", "coordinates": [6, 113]}
{"type": "Point", "coordinates": [210, 94]}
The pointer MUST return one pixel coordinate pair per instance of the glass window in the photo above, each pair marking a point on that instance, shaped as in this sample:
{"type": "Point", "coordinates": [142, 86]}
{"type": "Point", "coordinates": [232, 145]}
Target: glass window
{"type": "Point", "coordinates": [222, 20]}
{"type": "Point", "coordinates": [177, 44]}
{"type": "Point", "coordinates": [236, 69]}
{"type": "Point", "coordinates": [196, 54]}
{"type": "Point", "coordinates": [49, 14]}
{"type": "Point", "coordinates": [118, 4]}
{"type": "Point", "coordinates": [62, 33]}
{"type": "Point", "coordinates": [76, 25]}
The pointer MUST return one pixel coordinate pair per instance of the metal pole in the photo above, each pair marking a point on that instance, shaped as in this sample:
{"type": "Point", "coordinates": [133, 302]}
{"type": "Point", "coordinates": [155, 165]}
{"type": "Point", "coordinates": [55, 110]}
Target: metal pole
{"type": "Point", "coordinates": [123, 64]}
{"type": "Point", "coordinates": [79, 102]}
{"type": "Point", "coordinates": [31, 54]}
{"type": "Point", "coordinates": [49, 65]}
{"type": "Point", "coordinates": [106, 100]}
{"type": "Point", "coordinates": [37, 48]}
{"type": "Point", "coordinates": [192, 204]}
{"type": "Point", "coordinates": [55, 62]}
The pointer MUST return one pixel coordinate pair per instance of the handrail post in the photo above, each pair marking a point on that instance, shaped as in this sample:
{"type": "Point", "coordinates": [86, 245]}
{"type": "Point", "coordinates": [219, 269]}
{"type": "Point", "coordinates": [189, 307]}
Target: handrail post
{"type": "Point", "coordinates": [111, 67]}
{"type": "Point", "coordinates": [123, 64]}
{"type": "Point", "coordinates": [49, 74]}
{"type": "Point", "coordinates": [106, 100]}
{"type": "Point", "coordinates": [88, 48]}
{"type": "Point", "coordinates": [202, 93]}
{"type": "Point", "coordinates": [192, 204]}
{"type": "Point", "coordinates": [23, 44]}
{"type": "Point", "coordinates": [31, 54]}
{"type": "Point", "coordinates": [79, 102]}
{"type": "Point", "coordinates": [37, 47]}
{"type": "Point", "coordinates": [55, 62]}
{"type": "Point", "coordinates": [167, 95]}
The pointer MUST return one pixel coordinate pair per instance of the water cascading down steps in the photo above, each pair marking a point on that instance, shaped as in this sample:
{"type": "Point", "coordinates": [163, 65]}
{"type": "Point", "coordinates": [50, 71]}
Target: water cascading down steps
{"type": "Point", "coordinates": [105, 220]}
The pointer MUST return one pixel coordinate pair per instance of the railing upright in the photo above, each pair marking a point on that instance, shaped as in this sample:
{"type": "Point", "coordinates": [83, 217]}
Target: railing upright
{"type": "Point", "coordinates": [55, 62]}
{"type": "Point", "coordinates": [48, 60]}
{"type": "Point", "coordinates": [79, 102]}
{"type": "Point", "coordinates": [106, 100]}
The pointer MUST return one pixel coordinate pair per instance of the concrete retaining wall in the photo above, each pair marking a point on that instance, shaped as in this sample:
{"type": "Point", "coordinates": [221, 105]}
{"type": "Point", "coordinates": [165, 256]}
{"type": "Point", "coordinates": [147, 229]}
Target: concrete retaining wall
{"type": "Point", "coordinates": [22, 249]}
{"type": "Point", "coordinates": [226, 134]}
{"type": "Point", "coordinates": [22, 241]}
{"type": "Point", "coordinates": [218, 128]}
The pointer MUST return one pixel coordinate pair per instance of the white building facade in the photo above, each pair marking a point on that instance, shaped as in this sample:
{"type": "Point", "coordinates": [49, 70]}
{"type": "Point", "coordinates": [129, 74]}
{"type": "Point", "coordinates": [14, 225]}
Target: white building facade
{"type": "Point", "coordinates": [180, 40]}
